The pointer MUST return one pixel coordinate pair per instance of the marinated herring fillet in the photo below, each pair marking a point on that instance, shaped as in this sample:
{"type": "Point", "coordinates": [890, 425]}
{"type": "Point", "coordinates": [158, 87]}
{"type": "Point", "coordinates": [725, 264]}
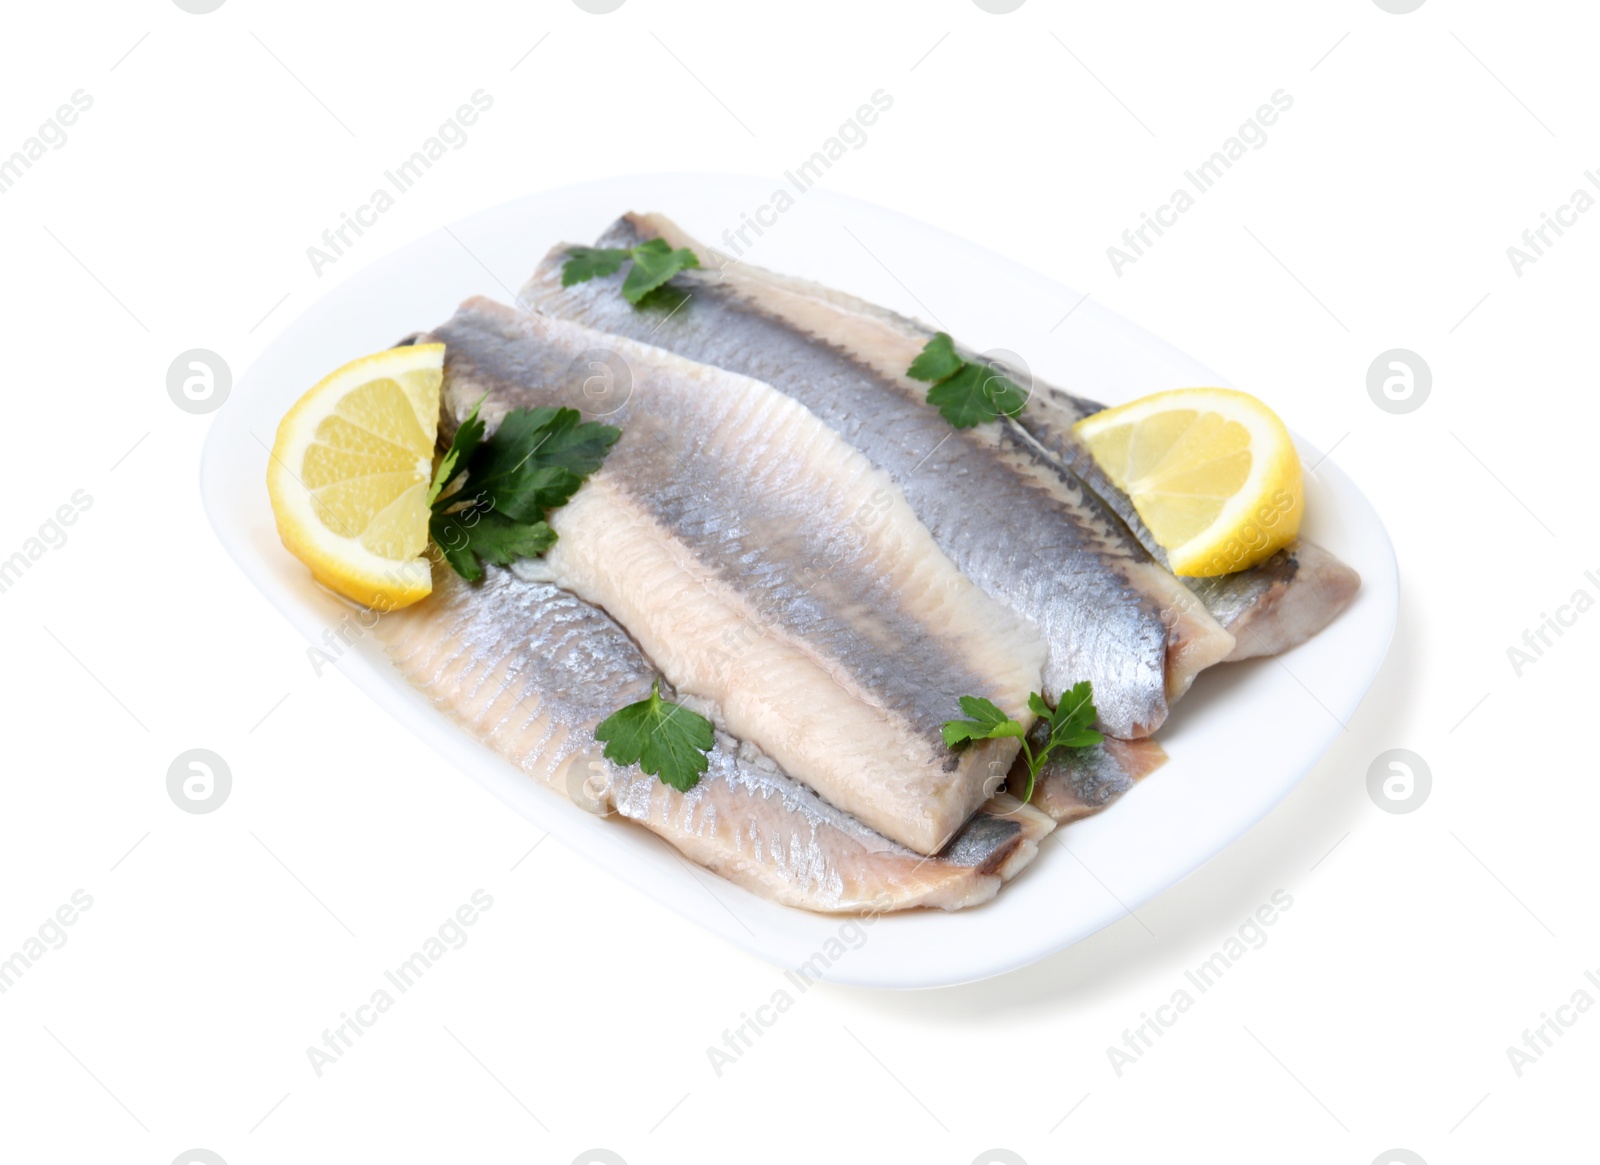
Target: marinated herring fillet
{"type": "Point", "coordinates": [765, 567]}
{"type": "Point", "coordinates": [1008, 516]}
{"type": "Point", "coordinates": [1269, 608]}
{"type": "Point", "coordinates": [530, 669]}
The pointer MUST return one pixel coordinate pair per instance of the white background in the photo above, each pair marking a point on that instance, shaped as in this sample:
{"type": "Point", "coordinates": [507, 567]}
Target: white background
{"type": "Point", "coordinates": [1419, 947]}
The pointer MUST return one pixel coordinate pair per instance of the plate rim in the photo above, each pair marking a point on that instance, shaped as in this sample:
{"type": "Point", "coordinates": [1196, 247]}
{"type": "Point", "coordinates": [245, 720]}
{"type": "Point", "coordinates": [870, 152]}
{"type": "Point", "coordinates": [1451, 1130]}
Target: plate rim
{"type": "Point", "coordinates": [510, 785]}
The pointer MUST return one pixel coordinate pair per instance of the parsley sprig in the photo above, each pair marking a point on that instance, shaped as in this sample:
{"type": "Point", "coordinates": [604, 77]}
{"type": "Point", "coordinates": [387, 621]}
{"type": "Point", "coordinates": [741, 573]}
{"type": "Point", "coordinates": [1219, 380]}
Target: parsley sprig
{"type": "Point", "coordinates": [1069, 726]}
{"type": "Point", "coordinates": [665, 740]}
{"type": "Point", "coordinates": [490, 496]}
{"type": "Point", "coordinates": [654, 262]}
{"type": "Point", "coordinates": [967, 394]}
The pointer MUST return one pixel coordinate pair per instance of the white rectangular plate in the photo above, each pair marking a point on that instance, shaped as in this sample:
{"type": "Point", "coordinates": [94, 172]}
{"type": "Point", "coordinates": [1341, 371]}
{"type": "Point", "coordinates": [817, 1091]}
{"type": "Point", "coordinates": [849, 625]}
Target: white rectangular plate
{"type": "Point", "coordinates": [1161, 831]}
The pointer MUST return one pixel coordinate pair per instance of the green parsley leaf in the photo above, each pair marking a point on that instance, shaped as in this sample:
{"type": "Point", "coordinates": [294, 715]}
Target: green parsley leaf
{"type": "Point", "coordinates": [654, 262]}
{"type": "Point", "coordinates": [937, 360]}
{"type": "Point", "coordinates": [1069, 727]}
{"type": "Point", "coordinates": [534, 463]}
{"type": "Point", "coordinates": [584, 263]}
{"type": "Point", "coordinates": [465, 536]}
{"type": "Point", "coordinates": [975, 395]}
{"type": "Point", "coordinates": [959, 732]}
{"type": "Point", "coordinates": [469, 434]}
{"type": "Point", "coordinates": [562, 439]}
{"type": "Point", "coordinates": [967, 394]}
{"type": "Point", "coordinates": [1070, 722]}
{"type": "Point", "coordinates": [665, 740]}
{"type": "Point", "coordinates": [537, 459]}
{"type": "Point", "coordinates": [664, 300]}
{"type": "Point", "coordinates": [988, 723]}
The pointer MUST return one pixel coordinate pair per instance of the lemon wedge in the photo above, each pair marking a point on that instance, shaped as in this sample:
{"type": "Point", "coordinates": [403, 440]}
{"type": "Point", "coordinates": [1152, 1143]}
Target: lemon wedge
{"type": "Point", "coordinates": [350, 473]}
{"type": "Point", "coordinates": [1212, 472]}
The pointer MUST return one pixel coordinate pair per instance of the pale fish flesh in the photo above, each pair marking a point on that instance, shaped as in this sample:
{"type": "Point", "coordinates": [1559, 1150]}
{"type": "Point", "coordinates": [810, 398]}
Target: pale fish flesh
{"type": "Point", "coordinates": [1006, 514]}
{"type": "Point", "coordinates": [767, 568]}
{"type": "Point", "coordinates": [529, 670]}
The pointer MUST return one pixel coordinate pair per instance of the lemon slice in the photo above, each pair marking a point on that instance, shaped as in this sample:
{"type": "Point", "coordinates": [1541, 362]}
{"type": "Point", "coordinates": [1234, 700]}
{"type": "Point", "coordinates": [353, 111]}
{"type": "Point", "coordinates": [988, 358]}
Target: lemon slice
{"type": "Point", "coordinates": [350, 473]}
{"type": "Point", "coordinates": [1211, 471]}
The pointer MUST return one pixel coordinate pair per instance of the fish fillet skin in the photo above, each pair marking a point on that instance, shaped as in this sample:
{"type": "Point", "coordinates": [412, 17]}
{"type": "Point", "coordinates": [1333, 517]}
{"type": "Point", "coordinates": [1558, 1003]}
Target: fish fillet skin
{"type": "Point", "coordinates": [1009, 517]}
{"type": "Point", "coordinates": [1080, 782]}
{"type": "Point", "coordinates": [767, 568]}
{"type": "Point", "coordinates": [529, 670]}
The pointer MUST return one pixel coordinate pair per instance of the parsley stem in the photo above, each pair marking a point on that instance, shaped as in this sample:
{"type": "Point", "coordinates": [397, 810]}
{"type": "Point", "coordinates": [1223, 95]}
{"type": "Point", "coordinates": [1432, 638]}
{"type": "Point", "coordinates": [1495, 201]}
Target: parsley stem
{"type": "Point", "coordinates": [1033, 769]}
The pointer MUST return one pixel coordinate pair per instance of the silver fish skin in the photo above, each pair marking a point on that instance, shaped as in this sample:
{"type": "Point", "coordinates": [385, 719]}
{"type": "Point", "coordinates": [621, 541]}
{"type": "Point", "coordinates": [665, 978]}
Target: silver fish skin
{"type": "Point", "coordinates": [1009, 518]}
{"type": "Point", "coordinates": [529, 670]}
{"type": "Point", "coordinates": [768, 569]}
{"type": "Point", "coordinates": [1269, 608]}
